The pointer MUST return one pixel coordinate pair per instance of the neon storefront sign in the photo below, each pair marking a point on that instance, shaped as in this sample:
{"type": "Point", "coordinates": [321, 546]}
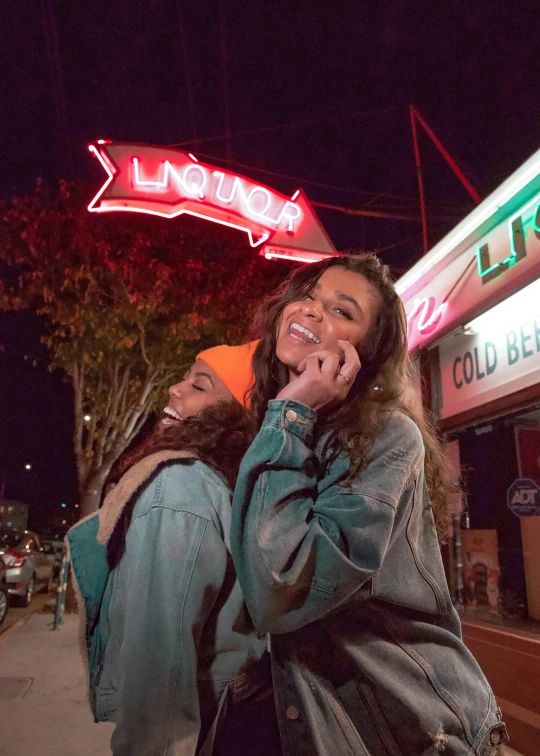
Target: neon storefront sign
{"type": "Point", "coordinates": [425, 317]}
{"type": "Point", "coordinates": [169, 183]}
{"type": "Point", "coordinates": [487, 270]}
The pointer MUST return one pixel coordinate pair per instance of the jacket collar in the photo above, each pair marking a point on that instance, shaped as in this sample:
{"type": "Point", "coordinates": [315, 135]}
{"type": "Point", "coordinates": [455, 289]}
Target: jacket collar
{"type": "Point", "coordinates": [127, 487]}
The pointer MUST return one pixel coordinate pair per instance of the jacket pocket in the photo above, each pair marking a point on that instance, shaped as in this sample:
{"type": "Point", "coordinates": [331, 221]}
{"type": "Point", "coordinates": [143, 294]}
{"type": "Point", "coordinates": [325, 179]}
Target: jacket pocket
{"type": "Point", "coordinates": [103, 701]}
{"type": "Point", "coordinates": [379, 718]}
{"type": "Point", "coordinates": [358, 698]}
{"type": "Point", "coordinates": [93, 692]}
{"type": "Point", "coordinates": [349, 730]}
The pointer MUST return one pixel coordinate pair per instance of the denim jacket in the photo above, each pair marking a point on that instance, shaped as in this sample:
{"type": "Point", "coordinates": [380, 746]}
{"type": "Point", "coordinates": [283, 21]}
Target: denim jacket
{"type": "Point", "coordinates": [167, 635]}
{"type": "Point", "coordinates": [367, 653]}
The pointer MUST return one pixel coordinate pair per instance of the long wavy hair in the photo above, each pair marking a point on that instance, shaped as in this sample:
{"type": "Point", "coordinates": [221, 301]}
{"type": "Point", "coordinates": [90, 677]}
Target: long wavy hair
{"type": "Point", "coordinates": [384, 383]}
{"type": "Point", "coordinates": [219, 436]}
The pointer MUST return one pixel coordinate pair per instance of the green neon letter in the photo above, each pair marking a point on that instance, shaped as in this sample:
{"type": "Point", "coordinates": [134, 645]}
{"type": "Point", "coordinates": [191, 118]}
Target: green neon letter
{"type": "Point", "coordinates": [536, 220]}
{"type": "Point", "coordinates": [517, 239]}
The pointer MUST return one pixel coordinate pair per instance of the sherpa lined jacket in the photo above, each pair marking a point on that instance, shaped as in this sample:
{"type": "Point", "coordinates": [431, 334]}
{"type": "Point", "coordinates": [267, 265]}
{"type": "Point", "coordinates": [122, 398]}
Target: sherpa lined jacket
{"type": "Point", "coordinates": [166, 633]}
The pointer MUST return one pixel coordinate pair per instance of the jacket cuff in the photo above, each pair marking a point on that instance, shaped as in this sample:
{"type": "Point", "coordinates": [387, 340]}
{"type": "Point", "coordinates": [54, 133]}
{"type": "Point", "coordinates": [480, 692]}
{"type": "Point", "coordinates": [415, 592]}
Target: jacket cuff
{"type": "Point", "coordinates": [292, 416]}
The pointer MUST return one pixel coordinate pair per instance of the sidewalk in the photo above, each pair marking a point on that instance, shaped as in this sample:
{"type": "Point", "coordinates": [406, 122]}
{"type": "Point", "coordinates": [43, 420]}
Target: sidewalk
{"type": "Point", "coordinates": [44, 707]}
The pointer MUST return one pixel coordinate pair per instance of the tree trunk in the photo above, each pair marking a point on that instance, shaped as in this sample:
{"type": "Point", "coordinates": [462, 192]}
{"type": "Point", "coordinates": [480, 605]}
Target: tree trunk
{"type": "Point", "coordinates": [90, 497]}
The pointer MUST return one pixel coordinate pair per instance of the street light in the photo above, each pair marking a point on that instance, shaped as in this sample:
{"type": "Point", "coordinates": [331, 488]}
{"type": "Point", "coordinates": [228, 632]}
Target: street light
{"type": "Point", "coordinates": [28, 466]}
{"type": "Point", "coordinates": [87, 418]}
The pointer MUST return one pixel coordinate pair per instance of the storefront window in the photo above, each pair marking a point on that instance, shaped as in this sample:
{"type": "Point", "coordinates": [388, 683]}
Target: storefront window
{"type": "Point", "coordinates": [500, 559]}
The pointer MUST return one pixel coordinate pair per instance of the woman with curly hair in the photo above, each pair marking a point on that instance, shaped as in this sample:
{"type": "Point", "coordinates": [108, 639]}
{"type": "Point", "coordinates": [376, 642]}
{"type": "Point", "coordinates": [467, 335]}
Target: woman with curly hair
{"type": "Point", "coordinates": [173, 657]}
{"type": "Point", "coordinates": [336, 512]}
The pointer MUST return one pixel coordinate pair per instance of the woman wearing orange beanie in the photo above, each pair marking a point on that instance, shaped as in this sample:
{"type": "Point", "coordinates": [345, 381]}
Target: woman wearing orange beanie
{"type": "Point", "coordinates": [171, 650]}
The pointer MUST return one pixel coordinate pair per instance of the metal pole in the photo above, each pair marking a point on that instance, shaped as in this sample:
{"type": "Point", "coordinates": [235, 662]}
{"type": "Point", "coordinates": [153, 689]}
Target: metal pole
{"type": "Point", "coordinates": [419, 177]}
{"type": "Point", "coordinates": [446, 155]}
{"type": "Point", "coordinates": [62, 590]}
{"type": "Point", "coordinates": [459, 602]}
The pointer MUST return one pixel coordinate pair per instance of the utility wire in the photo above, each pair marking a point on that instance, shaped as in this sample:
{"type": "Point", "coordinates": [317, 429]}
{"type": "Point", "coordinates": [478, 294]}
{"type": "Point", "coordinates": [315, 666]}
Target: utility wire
{"type": "Point", "coordinates": [187, 77]}
{"type": "Point", "coordinates": [52, 46]}
{"type": "Point", "coordinates": [288, 125]}
{"type": "Point", "coordinates": [225, 80]}
{"type": "Point", "coordinates": [322, 185]}
{"type": "Point", "coordinates": [409, 240]}
{"type": "Point", "coordinates": [377, 213]}
{"type": "Point", "coordinates": [372, 213]}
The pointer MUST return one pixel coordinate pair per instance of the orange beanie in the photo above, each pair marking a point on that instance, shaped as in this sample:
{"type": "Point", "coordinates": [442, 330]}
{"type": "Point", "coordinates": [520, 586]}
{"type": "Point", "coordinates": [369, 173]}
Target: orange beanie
{"type": "Point", "coordinates": [233, 365]}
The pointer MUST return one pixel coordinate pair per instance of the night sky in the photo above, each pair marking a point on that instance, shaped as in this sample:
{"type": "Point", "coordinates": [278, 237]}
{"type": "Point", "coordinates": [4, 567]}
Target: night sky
{"type": "Point", "coordinates": [320, 96]}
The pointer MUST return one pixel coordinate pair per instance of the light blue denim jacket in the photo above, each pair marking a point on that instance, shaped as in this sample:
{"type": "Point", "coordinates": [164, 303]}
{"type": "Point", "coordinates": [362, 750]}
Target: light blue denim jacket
{"type": "Point", "coordinates": [167, 632]}
{"type": "Point", "coordinates": [367, 654]}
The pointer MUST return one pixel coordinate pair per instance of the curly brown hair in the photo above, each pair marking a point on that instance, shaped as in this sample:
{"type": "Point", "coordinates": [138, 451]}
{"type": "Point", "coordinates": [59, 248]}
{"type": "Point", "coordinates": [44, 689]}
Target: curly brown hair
{"type": "Point", "coordinates": [384, 383]}
{"type": "Point", "coordinates": [219, 436]}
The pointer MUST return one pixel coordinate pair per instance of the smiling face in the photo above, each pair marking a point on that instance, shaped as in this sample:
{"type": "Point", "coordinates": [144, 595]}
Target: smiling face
{"type": "Point", "coordinates": [200, 387]}
{"type": "Point", "coordinates": [342, 305]}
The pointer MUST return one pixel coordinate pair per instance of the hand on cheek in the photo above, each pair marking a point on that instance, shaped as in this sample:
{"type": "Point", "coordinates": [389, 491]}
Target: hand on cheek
{"type": "Point", "coordinates": [325, 377]}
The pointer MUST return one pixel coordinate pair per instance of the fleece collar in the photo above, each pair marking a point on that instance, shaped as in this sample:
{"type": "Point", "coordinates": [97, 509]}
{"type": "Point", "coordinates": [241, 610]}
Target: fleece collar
{"type": "Point", "coordinates": [127, 487]}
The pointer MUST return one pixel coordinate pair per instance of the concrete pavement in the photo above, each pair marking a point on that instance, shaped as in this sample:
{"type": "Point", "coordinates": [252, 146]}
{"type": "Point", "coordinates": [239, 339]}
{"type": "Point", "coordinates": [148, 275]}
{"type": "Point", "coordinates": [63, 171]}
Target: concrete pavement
{"type": "Point", "coordinates": [44, 707]}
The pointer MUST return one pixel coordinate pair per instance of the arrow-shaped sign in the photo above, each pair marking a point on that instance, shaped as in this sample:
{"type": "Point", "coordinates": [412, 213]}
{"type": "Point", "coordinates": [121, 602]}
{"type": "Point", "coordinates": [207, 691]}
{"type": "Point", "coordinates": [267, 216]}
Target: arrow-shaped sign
{"type": "Point", "coordinates": [168, 183]}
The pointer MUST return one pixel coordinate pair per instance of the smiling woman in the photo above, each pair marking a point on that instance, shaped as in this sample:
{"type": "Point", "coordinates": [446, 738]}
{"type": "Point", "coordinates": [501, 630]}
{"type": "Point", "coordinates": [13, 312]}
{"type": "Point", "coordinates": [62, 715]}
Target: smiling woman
{"type": "Point", "coordinates": [200, 387]}
{"type": "Point", "coordinates": [204, 413]}
{"type": "Point", "coordinates": [339, 307]}
{"type": "Point", "coordinates": [162, 608]}
{"type": "Point", "coordinates": [334, 533]}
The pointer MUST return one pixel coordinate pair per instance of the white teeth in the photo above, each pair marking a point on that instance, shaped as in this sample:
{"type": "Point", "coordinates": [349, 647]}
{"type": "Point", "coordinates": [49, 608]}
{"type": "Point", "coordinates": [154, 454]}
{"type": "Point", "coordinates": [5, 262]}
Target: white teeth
{"type": "Point", "coordinates": [169, 411]}
{"type": "Point", "coordinates": [305, 330]}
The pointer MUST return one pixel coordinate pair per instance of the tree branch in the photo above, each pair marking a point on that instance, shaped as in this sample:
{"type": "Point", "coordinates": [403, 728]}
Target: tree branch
{"type": "Point", "coordinates": [91, 429]}
{"type": "Point", "coordinates": [77, 377]}
{"type": "Point", "coordinates": [114, 417]}
{"type": "Point", "coordinates": [142, 339]}
{"type": "Point", "coordinates": [133, 416]}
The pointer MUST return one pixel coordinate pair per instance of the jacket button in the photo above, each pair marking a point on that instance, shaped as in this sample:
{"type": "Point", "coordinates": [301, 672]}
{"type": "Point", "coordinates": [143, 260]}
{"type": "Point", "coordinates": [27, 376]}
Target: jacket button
{"type": "Point", "coordinates": [291, 415]}
{"type": "Point", "coordinates": [292, 711]}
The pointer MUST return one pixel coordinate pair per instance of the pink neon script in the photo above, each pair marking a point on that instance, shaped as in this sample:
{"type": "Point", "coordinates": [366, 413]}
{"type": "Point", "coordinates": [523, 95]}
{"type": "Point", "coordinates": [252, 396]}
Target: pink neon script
{"type": "Point", "coordinates": [425, 316]}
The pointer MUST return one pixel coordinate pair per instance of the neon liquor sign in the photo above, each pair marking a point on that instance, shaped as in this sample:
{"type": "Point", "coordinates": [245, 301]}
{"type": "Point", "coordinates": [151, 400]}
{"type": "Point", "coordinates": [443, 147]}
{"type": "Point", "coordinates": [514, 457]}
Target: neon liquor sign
{"type": "Point", "coordinates": [517, 232]}
{"type": "Point", "coordinates": [168, 183]}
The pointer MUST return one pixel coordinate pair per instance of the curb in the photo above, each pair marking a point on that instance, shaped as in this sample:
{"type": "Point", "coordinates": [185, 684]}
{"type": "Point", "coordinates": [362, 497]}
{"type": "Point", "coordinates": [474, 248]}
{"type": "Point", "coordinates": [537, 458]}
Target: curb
{"type": "Point", "coordinates": [5, 634]}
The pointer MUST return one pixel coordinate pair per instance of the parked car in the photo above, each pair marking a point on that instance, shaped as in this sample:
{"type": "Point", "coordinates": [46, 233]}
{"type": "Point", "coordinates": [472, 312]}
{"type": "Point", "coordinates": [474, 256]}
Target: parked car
{"type": "Point", "coordinates": [55, 552]}
{"type": "Point", "coordinates": [4, 593]}
{"type": "Point", "coordinates": [27, 568]}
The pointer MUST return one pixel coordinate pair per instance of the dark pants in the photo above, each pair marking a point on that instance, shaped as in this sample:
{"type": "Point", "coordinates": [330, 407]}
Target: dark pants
{"type": "Point", "coordinates": [250, 728]}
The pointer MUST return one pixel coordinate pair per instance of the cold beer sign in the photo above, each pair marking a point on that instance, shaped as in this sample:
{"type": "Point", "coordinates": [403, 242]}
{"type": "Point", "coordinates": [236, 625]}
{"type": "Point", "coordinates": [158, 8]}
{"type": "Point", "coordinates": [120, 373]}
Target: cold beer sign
{"type": "Point", "coordinates": [169, 182]}
{"type": "Point", "coordinates": [496, 354]}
